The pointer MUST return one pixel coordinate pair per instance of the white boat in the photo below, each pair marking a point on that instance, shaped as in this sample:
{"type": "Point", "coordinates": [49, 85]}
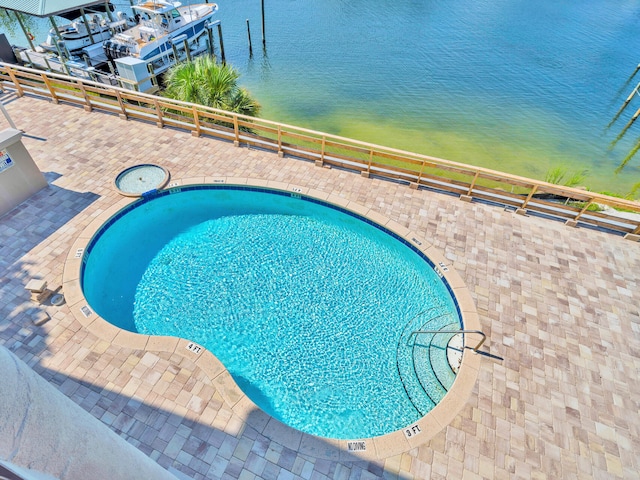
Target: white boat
{"type": "Point", "coordinates": [78, 34]}
{"type": "Point", "coordinates": [165, 30]}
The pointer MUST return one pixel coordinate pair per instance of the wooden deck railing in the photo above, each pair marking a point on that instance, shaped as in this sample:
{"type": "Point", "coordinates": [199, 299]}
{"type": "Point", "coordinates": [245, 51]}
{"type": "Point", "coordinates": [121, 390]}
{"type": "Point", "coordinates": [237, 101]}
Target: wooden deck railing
{"type": "Point", "coordinates": [522, 195]}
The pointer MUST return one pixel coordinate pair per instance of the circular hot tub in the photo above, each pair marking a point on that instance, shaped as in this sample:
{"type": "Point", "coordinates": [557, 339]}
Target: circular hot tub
{"type": "Point", "coordinates": [140, 179]}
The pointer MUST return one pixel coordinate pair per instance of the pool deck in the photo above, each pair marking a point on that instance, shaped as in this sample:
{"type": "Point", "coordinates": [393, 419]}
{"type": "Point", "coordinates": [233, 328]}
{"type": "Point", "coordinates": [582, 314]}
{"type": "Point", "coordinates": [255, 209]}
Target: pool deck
{"type": "Point", "coordinates": [559, 305]}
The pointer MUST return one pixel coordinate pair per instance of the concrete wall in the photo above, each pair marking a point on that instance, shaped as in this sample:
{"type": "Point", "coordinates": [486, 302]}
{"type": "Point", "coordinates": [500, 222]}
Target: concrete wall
{"type": "Point", "coordinates": [41, 429]}
{"type": "Point", "coordinates": [13, 472]}
{"type": "Point", "coordinates": [19, 175]}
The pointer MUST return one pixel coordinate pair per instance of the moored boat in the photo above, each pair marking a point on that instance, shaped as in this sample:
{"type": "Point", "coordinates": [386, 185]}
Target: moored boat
{"type": "Point", "coordinates": [164, 29]}
{"type": "Point", "coordinates": [129, 51]}
{"type": "Point", "coordinates": [80, 34]}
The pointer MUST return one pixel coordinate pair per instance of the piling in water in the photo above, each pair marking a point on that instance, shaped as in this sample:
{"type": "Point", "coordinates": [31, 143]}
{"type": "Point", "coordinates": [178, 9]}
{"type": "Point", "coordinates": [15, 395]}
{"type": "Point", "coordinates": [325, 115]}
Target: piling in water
{"type": "Point", "coordinates": [210, 41]}
{"type": "Point", "coordinates": [222, 57]}
{"type": "Point", "coordinates": [264, 41]}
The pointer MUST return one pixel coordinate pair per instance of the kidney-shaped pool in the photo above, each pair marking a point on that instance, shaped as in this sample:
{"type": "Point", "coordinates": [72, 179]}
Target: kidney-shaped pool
{"type": "Point", "coordinates": [309, 306]}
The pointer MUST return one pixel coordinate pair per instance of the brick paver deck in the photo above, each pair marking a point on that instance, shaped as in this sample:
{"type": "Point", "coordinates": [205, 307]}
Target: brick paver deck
{"type": "Point", "coordinates": [561, 305]}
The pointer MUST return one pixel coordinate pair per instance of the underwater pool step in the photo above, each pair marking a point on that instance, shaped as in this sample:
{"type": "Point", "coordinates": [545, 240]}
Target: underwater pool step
{"type": "Point", "coordinates": [422, 385]}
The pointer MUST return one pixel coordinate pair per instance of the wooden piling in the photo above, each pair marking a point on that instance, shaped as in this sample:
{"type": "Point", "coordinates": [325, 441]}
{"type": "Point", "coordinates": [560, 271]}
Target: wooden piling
{"type": "Point", "coordinates": [634, 72]}
{"type": "Point", "coordinates": [175, 52]}
{"type": "Point", "coordinates": [222, 57]}
{"type": "Point", "coordinates": [187, 50]}
{"type": "Point", "coordinates": [210, 46]}
{"type": "Point", "coordinates": [112, 67]}
{"type": "Point", "coordinates": [24, 30]}
{"type": "Point", "coordinates": [249, 38]}
{"type": "Point", "coordinates": [84, 19]}
{"type": "Point", "coordinates": [264, 41]}
{"type": "Point", "coordinates": [60, 46]}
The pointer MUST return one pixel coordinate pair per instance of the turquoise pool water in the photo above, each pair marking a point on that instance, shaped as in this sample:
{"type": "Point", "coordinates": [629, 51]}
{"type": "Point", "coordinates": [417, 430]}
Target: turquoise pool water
{"type": "Point", "coordinates": [304, 304]}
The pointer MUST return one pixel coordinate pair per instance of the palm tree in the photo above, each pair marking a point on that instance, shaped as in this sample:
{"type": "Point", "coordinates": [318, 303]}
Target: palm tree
{"type": "Point", "coordinates": [206, 82]}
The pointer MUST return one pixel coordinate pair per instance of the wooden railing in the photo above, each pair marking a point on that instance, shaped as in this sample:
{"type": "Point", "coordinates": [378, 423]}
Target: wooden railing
{"type": "Point", "coordinates": [522, 195]}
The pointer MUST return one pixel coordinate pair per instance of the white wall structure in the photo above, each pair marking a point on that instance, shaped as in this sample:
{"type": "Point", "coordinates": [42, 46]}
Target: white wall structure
{"type": "Point", "coordinates": [13, 472]}
{"type": "Point", "coordinates": [19, 175]}
{"type": "Point", "coordinates": [43, 430]}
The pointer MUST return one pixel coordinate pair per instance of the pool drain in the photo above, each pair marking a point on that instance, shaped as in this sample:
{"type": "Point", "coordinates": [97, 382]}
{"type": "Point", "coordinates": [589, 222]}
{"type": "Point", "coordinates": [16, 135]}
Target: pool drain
{"type": "Point", "coordinates": [57, 299]}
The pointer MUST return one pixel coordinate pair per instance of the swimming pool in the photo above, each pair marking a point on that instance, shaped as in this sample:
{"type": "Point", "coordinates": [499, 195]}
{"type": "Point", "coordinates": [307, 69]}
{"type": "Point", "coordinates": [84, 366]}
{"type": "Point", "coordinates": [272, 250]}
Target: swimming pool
{"type": "Point", "coordinates": [271, 291]}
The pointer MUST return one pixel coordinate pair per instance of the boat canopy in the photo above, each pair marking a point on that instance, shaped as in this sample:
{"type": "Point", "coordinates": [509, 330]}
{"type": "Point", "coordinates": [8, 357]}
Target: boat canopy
{"type": "Point", "coordinates": [69, 9]}
{"type": "Point", "coordinates": [155, 6]}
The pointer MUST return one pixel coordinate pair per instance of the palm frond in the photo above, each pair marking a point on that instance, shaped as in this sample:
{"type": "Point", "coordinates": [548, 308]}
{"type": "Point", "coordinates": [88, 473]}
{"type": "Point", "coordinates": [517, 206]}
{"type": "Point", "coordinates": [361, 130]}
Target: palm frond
{"type": "Point", "coordinates": [629, 156]}
{"type": "Point", "coordinates": [206, 82]}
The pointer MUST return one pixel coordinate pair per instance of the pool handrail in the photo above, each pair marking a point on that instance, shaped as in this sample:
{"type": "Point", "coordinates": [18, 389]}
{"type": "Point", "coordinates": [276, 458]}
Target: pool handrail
{"type": "Point", "coordinates": [475, 349]}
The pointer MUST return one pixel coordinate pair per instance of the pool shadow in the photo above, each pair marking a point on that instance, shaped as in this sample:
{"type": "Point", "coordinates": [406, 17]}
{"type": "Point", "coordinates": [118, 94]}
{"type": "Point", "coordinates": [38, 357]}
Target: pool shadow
{"type": "Point", "coordinates": [38, 219]}
{"type": "Point", "coordinates": [189, 448]}
{"type": "Point", "coordinates": [40, 216]}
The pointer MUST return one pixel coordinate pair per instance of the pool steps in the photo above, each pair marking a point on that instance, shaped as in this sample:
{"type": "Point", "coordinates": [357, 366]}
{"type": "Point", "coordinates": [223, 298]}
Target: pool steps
{"type": "Point", "coordinates": [424, 389]}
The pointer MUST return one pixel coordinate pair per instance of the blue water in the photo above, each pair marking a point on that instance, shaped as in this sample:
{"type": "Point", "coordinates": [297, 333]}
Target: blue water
{"type": "Point", "coordinates": [303, 304]}
{"type": "Point", "coordinates": [512, 85]}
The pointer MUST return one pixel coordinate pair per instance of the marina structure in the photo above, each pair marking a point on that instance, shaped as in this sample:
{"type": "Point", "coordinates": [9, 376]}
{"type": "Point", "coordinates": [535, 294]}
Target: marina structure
{"type": "Point", "coordinates": [116, 48]}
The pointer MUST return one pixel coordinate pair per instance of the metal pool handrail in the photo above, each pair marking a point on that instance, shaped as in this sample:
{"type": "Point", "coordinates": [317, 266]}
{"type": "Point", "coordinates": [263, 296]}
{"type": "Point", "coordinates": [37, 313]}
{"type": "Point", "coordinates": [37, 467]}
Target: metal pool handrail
{"type": "Point", "coordinates": [475, 349]}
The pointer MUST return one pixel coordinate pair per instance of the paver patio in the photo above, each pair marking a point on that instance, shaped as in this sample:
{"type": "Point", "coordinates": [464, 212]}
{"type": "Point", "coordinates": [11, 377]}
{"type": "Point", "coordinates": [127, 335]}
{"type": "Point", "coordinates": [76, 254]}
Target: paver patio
{"type": "Point", "coordinates": [560, 305]}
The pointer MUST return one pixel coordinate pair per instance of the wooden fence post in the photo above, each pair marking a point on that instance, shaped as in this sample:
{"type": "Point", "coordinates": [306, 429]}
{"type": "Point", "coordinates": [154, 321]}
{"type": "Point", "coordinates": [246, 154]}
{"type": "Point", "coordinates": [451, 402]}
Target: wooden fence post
{"type": "Point", "coordinates": [160, 122]}
{"type": "Point", "coordinates": [416, 184]}
{"type": "Point", "coordinates": [52, 91]}
{"type": "Point", "coordinates": [320, 162]}
{"type": "Point", "coordinates": [366, 173]}
{"type": "Point", "coordinates": [88, 107]}
{"type": "Point", "coordinates": [123, 115]}
{"type": "Point", "coordinates": [196, 121]}
{"type": "Point", "coordinates": [19, 90]}
{"type": "Point", "coordinates": [236, 130]}
{"type": "Point", "coordinates": [529, 197]}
